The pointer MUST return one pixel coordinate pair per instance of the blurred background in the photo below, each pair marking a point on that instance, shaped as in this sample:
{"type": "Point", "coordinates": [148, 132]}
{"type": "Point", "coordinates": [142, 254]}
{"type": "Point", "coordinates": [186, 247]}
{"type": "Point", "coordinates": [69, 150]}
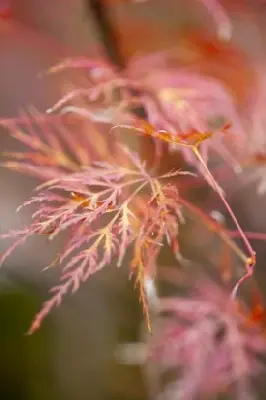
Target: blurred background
{"type": "Point", "coordinates": [72, 357]}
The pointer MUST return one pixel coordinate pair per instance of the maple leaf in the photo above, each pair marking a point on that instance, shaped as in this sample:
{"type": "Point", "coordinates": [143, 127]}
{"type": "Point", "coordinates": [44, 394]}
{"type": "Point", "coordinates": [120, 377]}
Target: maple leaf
{"type": "Point", "coordinates": [53, 149]}
{"type": "Point", "coordinates": [214, 347]}
{"type": "Point", "coordinates": [173, 99]}
{"type": "Point", "coordinates": [104, 208]}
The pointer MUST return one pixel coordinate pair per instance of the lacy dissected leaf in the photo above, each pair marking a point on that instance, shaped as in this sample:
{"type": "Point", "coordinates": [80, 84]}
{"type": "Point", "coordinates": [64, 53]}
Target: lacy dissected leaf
{"type": "Point", "coordinates": [104, 209]}
{"type": "Point", "coordinates": [172, 99]}
{"type": "Point", "coordinates": [214, 346]}
{"type": "Point", "coordinates": [52, 147]}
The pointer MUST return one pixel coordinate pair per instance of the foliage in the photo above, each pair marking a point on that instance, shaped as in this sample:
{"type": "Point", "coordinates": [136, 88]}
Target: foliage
{"type": "Point", "coordinates": [118, 208]}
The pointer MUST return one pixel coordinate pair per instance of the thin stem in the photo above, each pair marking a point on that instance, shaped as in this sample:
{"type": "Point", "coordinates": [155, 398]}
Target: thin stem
{"type": "Point", "coordinates": [107, 32]}
{"type": "Point", "coordinates": [250, 235]}
{"type": "Point", "coordinates": [214, 226]}
{"type": "Point", "coordinates": [251, 261]}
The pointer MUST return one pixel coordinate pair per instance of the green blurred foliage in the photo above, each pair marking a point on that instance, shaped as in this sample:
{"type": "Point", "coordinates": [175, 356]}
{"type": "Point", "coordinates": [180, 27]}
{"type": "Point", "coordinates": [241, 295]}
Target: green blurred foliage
{"type": "Point", "coordinates": [26, 368]}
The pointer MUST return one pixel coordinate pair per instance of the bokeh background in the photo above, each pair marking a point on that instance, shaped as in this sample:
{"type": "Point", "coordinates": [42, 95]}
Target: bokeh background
{"type": "Point", "coordinates": [72, 357]}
